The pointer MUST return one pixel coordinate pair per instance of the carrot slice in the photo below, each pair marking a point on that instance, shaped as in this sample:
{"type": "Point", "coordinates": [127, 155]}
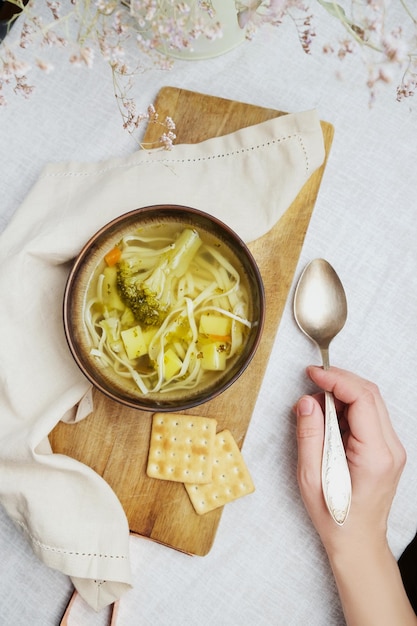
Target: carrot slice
{"type": "Point", "coordinates": [223, 338]}
{"type": "Point", "coordinates": [113, 256]}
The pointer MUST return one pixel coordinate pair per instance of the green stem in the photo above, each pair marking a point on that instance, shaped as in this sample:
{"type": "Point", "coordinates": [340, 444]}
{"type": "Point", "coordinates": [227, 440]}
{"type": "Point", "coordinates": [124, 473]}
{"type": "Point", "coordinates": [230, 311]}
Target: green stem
{"type": "Point", "coordinates": [338, 12]}
{"type": "Point", "coordinates": [407, 10]}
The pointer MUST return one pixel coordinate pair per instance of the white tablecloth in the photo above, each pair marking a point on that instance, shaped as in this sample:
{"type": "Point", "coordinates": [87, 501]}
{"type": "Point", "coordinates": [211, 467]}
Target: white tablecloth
{"type": "Point", "coordinates": [267, 566]}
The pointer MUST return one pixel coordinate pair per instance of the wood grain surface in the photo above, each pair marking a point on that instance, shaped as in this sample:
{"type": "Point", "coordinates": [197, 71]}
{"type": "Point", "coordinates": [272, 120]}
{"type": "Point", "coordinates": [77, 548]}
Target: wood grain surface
{"type": "Point", "coordinates": [114, 439]}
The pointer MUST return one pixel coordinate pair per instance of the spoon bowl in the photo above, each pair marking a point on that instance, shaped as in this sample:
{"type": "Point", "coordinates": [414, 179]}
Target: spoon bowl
{"type": "Point", "coordinates": [320, 306]}
{"type": "Point", "coordinates": [320, 310]}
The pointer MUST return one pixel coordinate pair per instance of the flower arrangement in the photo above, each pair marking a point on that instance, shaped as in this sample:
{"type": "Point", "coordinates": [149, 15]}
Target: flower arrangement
{"type": "Point", "coordinates": [86, 28]}
{"type": "Point", "coordinates": [385, 48]}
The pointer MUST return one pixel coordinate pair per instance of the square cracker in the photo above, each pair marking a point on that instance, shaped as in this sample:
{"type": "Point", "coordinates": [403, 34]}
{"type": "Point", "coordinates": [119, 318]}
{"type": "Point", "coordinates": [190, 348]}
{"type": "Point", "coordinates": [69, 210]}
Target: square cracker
{"type": "Point", "coordinates": [231, 478]}
{"type": "Point", "coordinates": [181, 448]}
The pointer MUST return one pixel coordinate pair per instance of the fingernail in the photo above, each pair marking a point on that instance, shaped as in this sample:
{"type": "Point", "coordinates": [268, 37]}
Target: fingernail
{"type": "Point", "coordinates": [305, 406]}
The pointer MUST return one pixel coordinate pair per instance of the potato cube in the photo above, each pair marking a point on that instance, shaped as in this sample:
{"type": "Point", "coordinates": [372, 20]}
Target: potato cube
{"type": "Point", "coordinates": [213, 356]}
{"type": "Point", "coordinates": [218, 325]}
{"type": "Point", "coordinates": [134, 342]}
{"type": "Point", "coordinates": [172, 364]}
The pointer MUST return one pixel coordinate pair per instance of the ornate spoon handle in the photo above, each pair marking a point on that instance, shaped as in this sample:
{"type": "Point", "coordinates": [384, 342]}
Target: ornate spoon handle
{"type": "Point", "coordinates": [335, 476]}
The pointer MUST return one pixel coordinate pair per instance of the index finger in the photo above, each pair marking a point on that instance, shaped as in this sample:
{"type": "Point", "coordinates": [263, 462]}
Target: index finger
{"type": "Point", "coordinates": [368, 416]}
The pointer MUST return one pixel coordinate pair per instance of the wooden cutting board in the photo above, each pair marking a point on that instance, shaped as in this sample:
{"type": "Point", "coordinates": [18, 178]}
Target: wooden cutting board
{"type": "Point", "coordinates": [114, 439]}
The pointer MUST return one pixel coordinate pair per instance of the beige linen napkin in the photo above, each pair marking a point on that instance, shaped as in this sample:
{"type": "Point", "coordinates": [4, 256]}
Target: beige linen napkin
{"type": "Point", "coordinates": [248, 178]}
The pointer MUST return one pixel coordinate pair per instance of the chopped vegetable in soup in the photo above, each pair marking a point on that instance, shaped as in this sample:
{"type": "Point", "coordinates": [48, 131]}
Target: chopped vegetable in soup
{"type": "Point", "coordinates": [167, 310]}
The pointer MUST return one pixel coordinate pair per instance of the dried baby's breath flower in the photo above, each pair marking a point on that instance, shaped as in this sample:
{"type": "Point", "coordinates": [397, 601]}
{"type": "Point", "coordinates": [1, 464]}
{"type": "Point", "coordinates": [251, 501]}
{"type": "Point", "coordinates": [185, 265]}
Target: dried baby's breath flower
{"type": "Point", "coordinates": [174, 25]}
{"type": "Point", "coordinates": [386, 49]}
{"type": "Point", "coordinates": [106, 7]}
{"type": "Point", "coordinates": [253, 14]}
{"type": "Point", "coordinates": [12, 66]}
{"type": "Point", "coordinates": [133, 120]}
{"type": "Point", "coordinates": [54, 8]}
{"type": "Point", "coordinates": [159, 27]}
{"type": "Point", "coordinates": [23, 87]}
{"type": "Point", "coordinates": [85, 56]}
{"type": "Point", "coordinates": [26, 35]}
{"type": "Point", "coordinates": [45, 66]}
{"type": "Point", "coordinates": [406, 88]}
{"type": "Point", "coordinates": [167, 140]}
{"type": "Point", "coordinates": [169, 123]}
{"type": "Point", "coordinates": [346, 46]}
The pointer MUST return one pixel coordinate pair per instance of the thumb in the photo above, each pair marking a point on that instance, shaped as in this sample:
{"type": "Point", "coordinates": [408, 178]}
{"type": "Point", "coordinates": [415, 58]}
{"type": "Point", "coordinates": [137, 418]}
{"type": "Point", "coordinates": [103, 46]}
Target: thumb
{"type": "Point", "coordinates": [310, 435]}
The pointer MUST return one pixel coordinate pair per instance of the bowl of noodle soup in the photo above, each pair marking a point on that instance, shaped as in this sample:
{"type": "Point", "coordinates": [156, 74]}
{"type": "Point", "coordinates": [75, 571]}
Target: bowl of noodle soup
{"type": "Point", "coordinates": [164, 308]}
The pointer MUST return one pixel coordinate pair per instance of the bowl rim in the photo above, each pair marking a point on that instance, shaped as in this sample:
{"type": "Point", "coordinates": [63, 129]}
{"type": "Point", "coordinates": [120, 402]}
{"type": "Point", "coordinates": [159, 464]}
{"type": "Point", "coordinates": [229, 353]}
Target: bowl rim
{"type": "Point", "coordinates": [86, 250]}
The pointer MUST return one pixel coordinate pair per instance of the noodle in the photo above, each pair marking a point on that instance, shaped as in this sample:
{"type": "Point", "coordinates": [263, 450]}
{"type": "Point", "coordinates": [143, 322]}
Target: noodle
{"type": "Point", "coordinates": [205, 321]}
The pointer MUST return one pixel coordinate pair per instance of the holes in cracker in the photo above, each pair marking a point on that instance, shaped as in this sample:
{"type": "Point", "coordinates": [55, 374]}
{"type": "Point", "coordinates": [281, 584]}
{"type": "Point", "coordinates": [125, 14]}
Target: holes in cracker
{"type": "Point", "coordinates": [210, 466]}
{"type": "Point", "coordinates": [177, 449]}
{"type": "Point", "coordinates": [231, 479]}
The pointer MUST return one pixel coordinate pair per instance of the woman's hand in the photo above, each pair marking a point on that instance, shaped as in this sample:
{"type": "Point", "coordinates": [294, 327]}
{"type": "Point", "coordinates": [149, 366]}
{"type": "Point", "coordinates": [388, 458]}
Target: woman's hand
{"type": "Point", "coordinates": [366, 573]}
{"type": "Point", "coordinates": [375, 456]}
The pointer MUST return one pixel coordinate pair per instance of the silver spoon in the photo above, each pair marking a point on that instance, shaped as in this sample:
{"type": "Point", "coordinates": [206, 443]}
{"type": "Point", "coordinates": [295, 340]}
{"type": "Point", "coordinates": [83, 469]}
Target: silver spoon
{"type": "Point", "coordinates": [320, 310]}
